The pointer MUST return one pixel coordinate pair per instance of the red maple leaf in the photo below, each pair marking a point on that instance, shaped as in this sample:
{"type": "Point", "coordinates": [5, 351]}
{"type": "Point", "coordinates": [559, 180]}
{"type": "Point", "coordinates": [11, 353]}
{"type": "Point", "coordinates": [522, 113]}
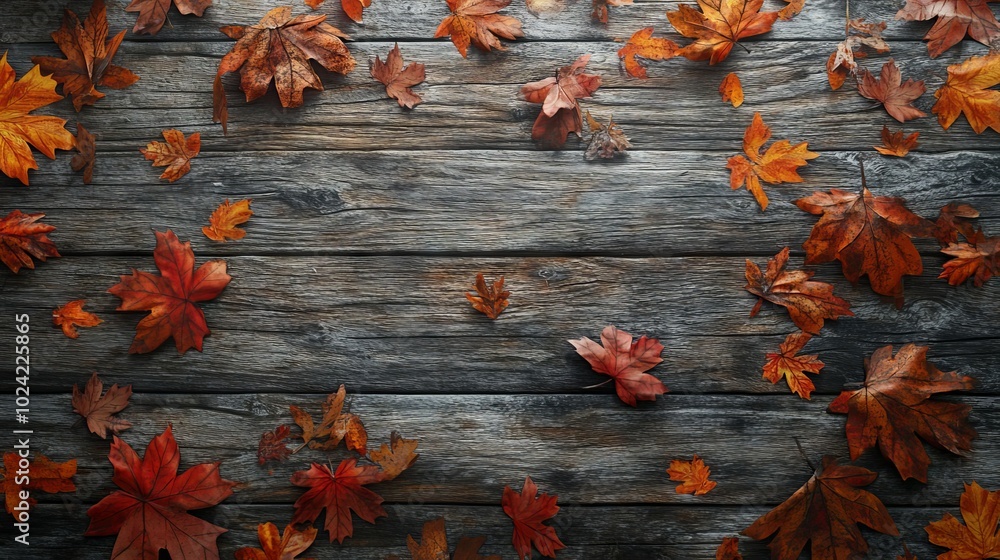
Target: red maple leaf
{"type": "Point", "coordinates": [626, 362]}
{"type": "Point", "coordinates": [339, 493]}
{"type": "Point", "coordinates": [529, 513]}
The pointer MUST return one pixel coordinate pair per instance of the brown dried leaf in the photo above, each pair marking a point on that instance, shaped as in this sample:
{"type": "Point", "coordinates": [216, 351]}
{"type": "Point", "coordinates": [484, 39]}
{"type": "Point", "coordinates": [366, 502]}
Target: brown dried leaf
{"type": "Point", "coordinates": [84, 161]}
{"type": "Point", "coordinates": [605, 141]}
{"type": "Point", "coordinates": [175, 154]}
{"type": "Point", "coordinates": [491, 299]}
{"type": "Point", "coordinates": [98, 410]}
{"type": "Point", "coordinates": [397, 79]}
{"type": "Point", "coordinates": [894, 144]}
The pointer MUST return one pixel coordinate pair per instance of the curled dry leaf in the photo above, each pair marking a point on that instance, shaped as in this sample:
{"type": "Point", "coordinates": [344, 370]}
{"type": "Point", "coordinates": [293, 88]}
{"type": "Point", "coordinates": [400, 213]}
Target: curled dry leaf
{"type": "Point", "coordinates": [859, 34]}
{"type": "Point", "coordinates": [275, 546]}
{"type": "Point", "coordinates": [599, 11]}
{"type": "Point", "coordinates": [560, 114]}
{"type": "Point", "coordinates": [46, 476]}
{"type": "Point", "coordinates": [273, 445]}
{"type": "Point", "coordinates": [338, 493]}
{"type": "Point", "coordinates": [225, 218]}
{"type": "Point", "coordinates": [399, 80]}
{"type": "Point", "coordinates": [778, 164]}
{"type": "Point", "coordinates": [978, 258]}
{"type": "Point", "coordinates": [529, 514]}
{"type": "Point", "coordinates": [279, 48]}
{"type": "Point", "coordinates": [99, 410]}
{"type": "Point", "coordinates": [20, 129]}
{"type": "Point", "coordinates": [693, 476]}
{"type": "Point", "coordinates": [172, 297]}
{"type": "Point", "coordinates": [84, 160]}
{"type": "Point", "coordinates": [967, 91]}
{"type": "Point", "coordinates": [434, 545]}
{"type": "Point", "coordinates": [88, 57]}
{"type": "Point", "coordinates": [642, 44]}
{"type": "Point", "coordinates": [175, 154]}
{"type": "Point", "coordinates": [626, 362]}
{"type": "Point", "coordinates": [793, 9]}
{"type": "Point", "coordinates": [153, 13]}
{"type": "Point", "coordinates": [354, 9]}
{"type": "Point", "coordinates": [895, 144]}
{"type": "Point", "coordinates": [979, 537]}
{"type": "Point", "coordinates": [893, 409]}
{"type": "Point", "coordinates": [789, 365]}
{"type": "Point", "coordinates": [955, 19]}
{"type": "Point", "coordinates": [718, 26]}
{"type": "Point", "coordinates": [490, 299]}
{"type": "Point", "coordinates": [72, 315]}
{"type": "Point", "coordinates": [336, 425]}
{"type": "Point", "coordinates": [477, 23]}
{"type": "Point", "coordinates": [826, 511]}
{"type": "Point", "coordinates": [729, 549]}
{"type": "Point", "coordinates": [954, 219]}
{"type": "Point", "coordinates": [23, 236]}
{"type": "Point", "coordinates": [889, 90]}
{"type": "Point", "coordinates": [731, 89]}
{"type": "Point", "coordinates": [606, 142]}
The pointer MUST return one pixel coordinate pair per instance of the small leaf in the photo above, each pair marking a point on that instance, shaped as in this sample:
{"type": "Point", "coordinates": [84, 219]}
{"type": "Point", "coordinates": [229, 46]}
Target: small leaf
{"type": "Point", "coordinates": [731, 89]}
{"type": "Point", "coordinates": [490, 299]}
{"type": "Point", "coordinates": [175, 154]}
{"type": "Point", "coordinates": [529, 514]}
{"type": "Point", "coordinates": [889, 89]}
{"type": "Point", "coordinates": [274, 546]}
{"type": "Point", "coordinates": [225, 218]}
{"type": "Point", "coordinates": [777, 165]}
{"type": "Point", "coordinates": [84, 160]}
{"type": "Point", "coordinates": [23, 236]}
{"type": "Point", "coordinates": [625, 362]}
{"type": "Point", "coordinates": [789, 365]}
{"type": "Point", "coordinates": [693, 476]}
{"type": "Point", "coordinates": [72, 315]}
{"type": "Point", "coordinates": [894, 144]}
{"type": "Point", "coordinates": [397, 79]}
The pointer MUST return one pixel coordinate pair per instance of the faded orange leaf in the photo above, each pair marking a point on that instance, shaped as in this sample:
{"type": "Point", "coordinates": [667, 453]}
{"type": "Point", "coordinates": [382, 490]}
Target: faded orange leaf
{"type": "Point", "coordinates": [396, 457]}
{"type": "Point", "coordinates": [72, 315]}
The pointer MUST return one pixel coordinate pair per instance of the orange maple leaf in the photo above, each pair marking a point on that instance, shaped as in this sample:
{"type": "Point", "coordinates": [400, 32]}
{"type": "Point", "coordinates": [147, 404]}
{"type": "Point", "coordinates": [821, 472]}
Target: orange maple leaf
{"type": "Point", "coordinates": [889, 90]}
{"type": "Point", "coordinates": [225, 218]}
{"type": "Point", "coordinates": [643, 44]}
{"type": "Point", "coordinates": [88, 57]}
{"type": "Point", "coordinates": [72, 315]}
{"type": "Point", "coordinates": [46, 476]}
{"type": "Point", "coordinates": [490, 299]}
{"type": "Point", "coordinates": [99, 410]}
{"type": "Point", "coordinates": [894, 144]}
{"type": "Point", "coordinates": [399, 80]}
{"type": "Point", "coordinates": [893, 409]}
{"type": "Point", "coordinates": [778, 164]}
{"type": "Point", "coordinates": [560, 114]}
{"type": "Point", "coordinates": [175, 154]}
{"type": "Point", "coordinates": [278, 48]}
{"type": "Point", "coordinates": [599, 11]}
{"type": "Point", "coordinates": [153, 13]}
{"type": "Point", "coordinates": [338, 493]}
{"type": "Point", "coordinates": [434, 545]}
{"type": "Point", "coordinates": [955, 18]}
{"type": "Point", "coordinates": [729, 549]}
{"type": "Point", "coordinates": [626, 362]}
{"type": "Point", "coordinates": [979, 538]}
{"type": "Point", "coordinates": [336, 425]}
{"type": "Point", "coordinates": [967, 91]}
{"type": "Point", "coordinates": [789, 365]}
{"type": "Point", "coordinates": [529, 513]}
{"type": "Point", "coordinates": [20, 130]}
{"type": "Point", "coordinates": [718, 26]}
{"type": "Point", "coordinates": [84, 160]}
{"type": "Point", "coordinates": [842, 60]}
{"type": "Point", "coordinates": [23, 236]}
{"type": "Point", "coordinates": [275, 546]}
{"type": "Point", "coordinates": [977, 258]}
{"type": "Point", "coordinates": [693, 476]}
{"type": "Point", "coordinates": [477, 23]}
{"type": "Point", "coordinates": [731, 89]}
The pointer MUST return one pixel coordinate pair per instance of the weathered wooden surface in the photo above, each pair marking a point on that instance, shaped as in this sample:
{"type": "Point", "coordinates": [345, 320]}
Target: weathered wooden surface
{"type": "Point", "coordinates": [371, 221]}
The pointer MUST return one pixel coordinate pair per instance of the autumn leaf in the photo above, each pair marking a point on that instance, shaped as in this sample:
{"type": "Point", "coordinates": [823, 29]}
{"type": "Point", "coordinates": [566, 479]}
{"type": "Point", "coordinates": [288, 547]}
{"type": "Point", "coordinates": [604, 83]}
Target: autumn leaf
{"type": "Point", "coordinates": [335, 426]}
{"type": "Point", "coordinates": [642, 44]}
{"type": "Point", "coordinates": [893, 409]}
{"type": "Point", "coordinates": [72, 315]}
{"type": "Point", "coordinates": [826, 511]}
{"type": "Point", "coordinates": [46, 476]}
{"type": "Point", "coordinates": [149, 511]}
{"type": "Point", "coordinates": [693, 476]}
{"type": "Point", "coordinates": [808, 302]}
{"type": "Point", "coordinates": [955, 18]}
{"type": "Point", "coordinates": [279, 48]}
{"type": "Point", "coordinates": [394, 458]}
{"type": "Point", "coordinates": [954, 219]}
{"type": "Point", "coordinates": [894, 144]}
{"type": "Point", "coordinates": [558, 95]}
{"type": "Point", "coordinates": [175, 154]}
{"type": "Point", "coordinates": [729, 549]}
{"type": "Point", "coordinates": [789, 365]}
{"type": "Point", "coordinates": [869, 235]}
{"type": "Point", "coordinates": [778, 164]}
{"type": "Point", "coordinates": [99, 410]}
{"type": "Point", "coordinates": [433, 545]}
{"type": "Point", "coordinates": [399, 80]}
{"type": "Point", "coordinates": [352, 8]}
{"type": "Point", "coordinates": [540, 8]}
{"type": "Point", "coordinates": [718, 26]}
{"type": "Point", "coordinates": [225, 218]}
{"type": "Point", "coordinates": [272, 445]}
{"type": "Point", "coordinates": [489, 299]}
{"type": "Point", "coordinates": [977, 258]}
{"type": "Point", "coordinates": [477, 23]}
{"type": "Point", "coordinates": [19, 130]}
{"type": "Point", "coordinates": [84, 160]}
{"type": "Point", "coordinates": [23, 236]}
{"type": "Point", "coordinates": [529, 514]}
{"type": "Point", "coordinates": [275, 546]}
{"type": "Point", "coordinates": [897, 97]}
{"type": "Point", "coordinates": [625, 362]}
{"type": "Point", "coordinates": [339, 493]}
{"type": "Point", "coordinates": [842, 61]}
{"type": "Point", "coordinates": [88, 57]}
{"type": "Point", "coordinates": [793, 9]}
{"type": "Point", "coordinates": [599, 12]}
{"type": "Point", "coordinates": [606, 142]}
{"type": "Point", "coordinates": [907, 555]}
{"type": "Point", "coordinates": [967, 91]}
{"type": "Point", "coordinates": [172, 297]}
{"type": "Point", "coordinates": [979, 537]}
{"type": "Point", "coordinates": [153, 13]}
{"type": "Point", "coordinates": [731, 89]}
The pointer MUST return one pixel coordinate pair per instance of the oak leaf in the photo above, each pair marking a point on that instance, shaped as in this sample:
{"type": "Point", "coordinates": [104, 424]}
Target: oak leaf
{"type": "Point", "coordinates": [490, 299]}
{"type": "Point", "coordinates": [338, 493]}
{"type": "Point", "coordinates": [529, 514]}
{"type": "Point", "coordinates": [275, 546]}
{"type": "Point", "coordinates": [153, 13]}
{"type": "Point", "coordinates": [979, 537]}
{"type": "Point", "coordinates": [225, 218]}
{"type": "Point", "coordinates": [978, 258]}
{"type": "Point", "coordinates": [172, 297]}
{"type": "Point", "coordinates": [625, 362]}
{"type": "Point", "coordinates": [433, 545]}
{"type": "Point", "coordinates": [860, 34]}
{"type": "Point", "coordinates": [335, 426]}
{"type": "Point", "coordinates": [71, 315]}
{"type": "Point", "coordinates": [279, 48]}
{"type": "Point", "coordinates": [606, 142]}
{"type": "Point", "coordinates": [895, 144]}
{"type": "Point", "coordinates": [23, 236]}
{"type": "Point", "coordinates": [99, 410]}
{"type": "Point", "coordinates": [718, 26]}
{"type": "Point", "coordinates": [731, 89]}
{"type": "Point", "coordinates": [827, 511]}
{"type": "Point", "coordinates": [693, 476]}
{"type": "Point", "coordinates": [560, 114]}
{"type": "Point", "coordinates": [642, 44]}
{"type": "Point", "coordinates": [955, 19]}
{"type": "Point", "coordinates": [149, 512]}
{"type": "Point", "coordinates": [897, 97]}
{"type": "Point", "coordinates": [954, 219]}
{"type": "Point", "coordinates": [477, 23]}
{"type": "Point", "coordinates": [84, 160]}
{"type": "Point", "coordinates": [729, 549]}
{"type": "Point", "coordinates": [778, 164]}
{"type": "Point", "coordinates": [272, 445]}
{"type": "Point", "coordinates": [789, 365]}
{"type": "Point", "coordinates": [175, 154]}
{"type": "Point", "coordinates": [967, 91]}
{"type": "Point", "coordinates": [19, 130]}
{"type": "Point", "coordinates": [599, 10]}
{"type": "Point", "coordinates": [46, 476]}
{"type": "Point", "coordinates": [893, 409]}
{"type": "Point", "coordinates": [394, 458]}
{"type": "Point", "coordinates": [399, 80]}
{"type": "Point", "coordinates": [88, 57]}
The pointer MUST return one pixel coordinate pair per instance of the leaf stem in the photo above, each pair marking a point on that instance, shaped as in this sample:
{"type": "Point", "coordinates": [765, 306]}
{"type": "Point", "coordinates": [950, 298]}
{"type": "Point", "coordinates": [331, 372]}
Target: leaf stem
{"type": "Point", "coordinates": [610, 379]}
{"type": "Point", "coordinates": [803, 453]}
